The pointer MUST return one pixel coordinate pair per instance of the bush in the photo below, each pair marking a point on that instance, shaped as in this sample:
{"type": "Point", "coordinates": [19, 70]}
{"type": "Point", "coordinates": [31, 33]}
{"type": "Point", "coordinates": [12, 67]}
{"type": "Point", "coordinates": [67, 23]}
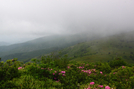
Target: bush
{"type": "Point", "coordinates": [105, 68]}
{"type": "Point", "coordinates": [132, 81]}
{"type": "Point", "coordinates": [62, 62]}
{"type": "Point", "coordinates": [117, 63]}
{"type": "Point", "coordinates": [12, 73]}
{"type": "Point", "coordinates": [120, 75]}
{"type": "Point", "coordinates": [8, 73]}
{"type": "Point", "coordinates": [37, 76]}
{"type": "Point", "coordinates": [2, 74]}
{"type": "Point", "coordinates": [7, 85]}
{"type": "Point", "coordinates": [27, 82]}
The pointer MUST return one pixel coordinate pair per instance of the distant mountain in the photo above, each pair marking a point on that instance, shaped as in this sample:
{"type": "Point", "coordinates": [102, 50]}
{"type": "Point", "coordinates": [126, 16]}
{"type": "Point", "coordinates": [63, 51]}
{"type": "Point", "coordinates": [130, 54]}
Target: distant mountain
{"type": "Point", "coordinates": [41, 46]}
{"type": "Point", "coordinates": [4, 44]}
{"type": "Point", "coordinates": [105, 49]}
{"type": "Point", "coordinates": [80, 47]}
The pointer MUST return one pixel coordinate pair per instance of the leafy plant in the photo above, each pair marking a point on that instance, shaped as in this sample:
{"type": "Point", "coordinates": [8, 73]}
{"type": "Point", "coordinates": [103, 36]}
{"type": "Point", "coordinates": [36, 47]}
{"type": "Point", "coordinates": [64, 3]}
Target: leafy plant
{"type": "Point", "coordinates": [61, 73]}
{"type": "Point", "coordinates": [117, 63]}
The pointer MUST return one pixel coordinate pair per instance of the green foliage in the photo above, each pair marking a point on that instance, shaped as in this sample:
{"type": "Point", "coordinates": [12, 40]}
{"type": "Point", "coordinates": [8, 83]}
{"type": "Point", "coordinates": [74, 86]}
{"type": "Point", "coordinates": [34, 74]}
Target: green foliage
{"type": "Point", "coordinates": [2, 74]}
{"type": "Point", "coordinates": [117, 73]}
{"type": "Point", "coordinates": [62, 62]}
{"type": "Point", "coordinates": [105, 68]}
{"type": "Point", "coordinates": [1, 63]}
{"type": "Point", "coordinates": [46, 59]}
{"type": "Point", "coordinates": [28, 63]}
{"type": "Point", "coordinates": [9, 72]}
{"type": "Point", "coordinates": [71, 80]}
{"type": "Point", "coordinates": [28, 82]}
{"type": "Point", "coordinates": [7, 85]}
{"type": "Point", "coordinates": [132, 81]}
{"type": "Point", "coordinates": [89, 66]}
{"type": "Point", "coordinates": [117, 63]}
{"type": "Point", "coordinates": [122, 75]}
{"type": "Point", "coordinates": [44, 74]}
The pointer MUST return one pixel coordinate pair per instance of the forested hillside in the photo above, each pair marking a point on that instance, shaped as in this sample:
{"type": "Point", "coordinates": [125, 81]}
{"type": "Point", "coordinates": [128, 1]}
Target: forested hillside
{"type": "Point", "coordinates": [41, 46]}
{"type": "Point", "coordinates": [105, 49]}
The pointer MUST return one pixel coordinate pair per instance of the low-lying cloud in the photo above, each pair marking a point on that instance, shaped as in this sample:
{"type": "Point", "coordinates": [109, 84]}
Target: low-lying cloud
{"type": "Point", "coordinates": [22, 20]}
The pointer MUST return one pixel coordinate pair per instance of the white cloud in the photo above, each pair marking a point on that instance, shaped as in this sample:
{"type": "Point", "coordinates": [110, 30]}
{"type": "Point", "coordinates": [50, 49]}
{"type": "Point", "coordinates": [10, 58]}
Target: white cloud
{"type": "Point", "coordinates": [25, 18]}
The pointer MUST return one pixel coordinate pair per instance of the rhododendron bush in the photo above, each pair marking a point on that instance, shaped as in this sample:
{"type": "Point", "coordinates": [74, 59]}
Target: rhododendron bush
{"type": "Point", "coordinates": [67, 75]}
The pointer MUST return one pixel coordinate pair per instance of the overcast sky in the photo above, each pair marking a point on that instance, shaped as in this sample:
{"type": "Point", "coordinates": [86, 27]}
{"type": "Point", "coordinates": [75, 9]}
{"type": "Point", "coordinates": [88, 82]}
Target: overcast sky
{"type": "Point", "coordinates": [22, 20]}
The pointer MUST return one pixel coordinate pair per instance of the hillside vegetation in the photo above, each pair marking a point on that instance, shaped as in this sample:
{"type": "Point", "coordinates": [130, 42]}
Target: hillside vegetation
{"type": "Point", "coordinates": [104, 49]}
{"type": "Point", "coordinates": [53, 73]}
{"type": "Point", "coordinates": [41, 46]}
{"type": "Point", "coordinates": [105, 63]}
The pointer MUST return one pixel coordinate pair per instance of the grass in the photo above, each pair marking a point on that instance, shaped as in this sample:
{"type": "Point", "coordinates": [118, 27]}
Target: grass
{"type": "Point", "coordinates": [103, 49]}
{"type": "Point", "coordinates": [116, 74]}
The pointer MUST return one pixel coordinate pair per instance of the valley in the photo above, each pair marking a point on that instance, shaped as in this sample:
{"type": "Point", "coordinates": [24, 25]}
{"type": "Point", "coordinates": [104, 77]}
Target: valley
{"type": "Point", "coordinates": [77, 47]}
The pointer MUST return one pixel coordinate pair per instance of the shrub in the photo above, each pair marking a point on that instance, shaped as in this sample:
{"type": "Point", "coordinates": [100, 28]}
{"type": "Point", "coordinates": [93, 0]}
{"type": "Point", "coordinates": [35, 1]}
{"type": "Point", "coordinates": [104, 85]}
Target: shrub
{"type": "Point", "coordinates": [132, 81]}
{"type": "Point", "coordinates": [7, 85]}
{"type": "Point", "coordinates": [62, 62]}
{"type": "Point", "coordinates": [120, 75]}
{"type": "Point", "coordinates": [117, 63]}
{"type": "Point", "coordinates": [105, 68]}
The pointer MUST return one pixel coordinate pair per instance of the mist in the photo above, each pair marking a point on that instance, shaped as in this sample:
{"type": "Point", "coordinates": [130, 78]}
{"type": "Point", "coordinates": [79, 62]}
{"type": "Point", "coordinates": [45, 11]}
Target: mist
{"type": "Point", "coordinates": [21, 20]}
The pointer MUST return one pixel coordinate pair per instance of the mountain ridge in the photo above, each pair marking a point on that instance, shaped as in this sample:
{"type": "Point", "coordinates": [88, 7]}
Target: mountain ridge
{"type": "Point", "coordinates": [42, 43]}
{"type": "Point", "coordinates": [82, 47]}
{"type": "Point", "coordinates": [105, 49]}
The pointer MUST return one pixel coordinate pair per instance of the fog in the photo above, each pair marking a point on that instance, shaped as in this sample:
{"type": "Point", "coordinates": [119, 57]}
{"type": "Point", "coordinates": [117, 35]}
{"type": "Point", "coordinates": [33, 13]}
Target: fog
{"type": "Point", "coordinates": [23, 20]}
